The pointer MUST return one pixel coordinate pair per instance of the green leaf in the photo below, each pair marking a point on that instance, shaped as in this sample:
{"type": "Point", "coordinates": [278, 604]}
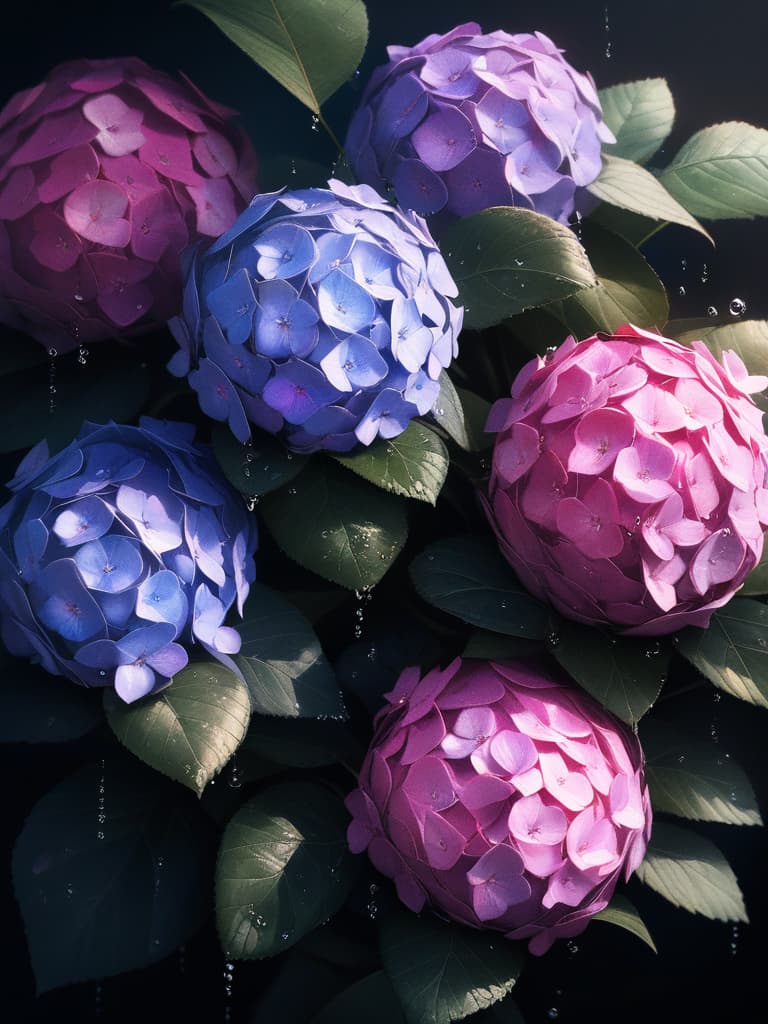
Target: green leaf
{"type": "Point", "coordinates": [506, 260]}
{"type": "Point", "coordinates": [283, 868]}
{"type": "Point", "coordinates": [629, 186]}
{"type": "Point", "coordinates": [258, 467]}
{"type": "Point", "coordinates": [640, 115]}
{"type": "Point", "coordinates": [300, 987]}
{"type": "Point", "coordinates": [756, 583]}
{"type": "Point", "coordinates": [372, 999]}
{"type": "Point", "coordinates": [301, 742]}
{"type": "Point", "coordinates": [722, 172]}
{"type": "Point", "coordinates": [311, 49]}
{"type": "Point", "coordinates": [631, 226]}
{"type": "Point", "coordinates": [449, 413]}
{"type": "Point", "coordinates": [336, 525]}
{"type": "Point", "coordinates": [624, 674]}
{"type": "Point", "coordinates": [747, 338]}
{"type": "Point", "coordinates": [413, 464]}
{"type": "Point", "coordinates": [690, 872]}
{"type": "Point", "coordinates": [733, 651]}
{"type": "Point", "coordinates": [39, 708]}
{"type": "Point", "coordinates": [444, 972]}
{"type": "Point", "coordinates": [100, 391]}
{"type": "Point", "coordinates": [282, 661]}
{"type": "Point", "coordinates": [694, 780]}
{"type": "Point", "coordinates": [189, 730]}
{"type": "Point", "coordinates": [495, 647]}
{"type": "Point", "coordinates": [468, 578]}
{"type": "Point", "coordinates": [622, 912]}
{"type": "Point", "coordinates": [95, 907]}
{"type": "Point", "coordinates": [476, 411]}
{"type": "Point", "coordinates": [627, 290]}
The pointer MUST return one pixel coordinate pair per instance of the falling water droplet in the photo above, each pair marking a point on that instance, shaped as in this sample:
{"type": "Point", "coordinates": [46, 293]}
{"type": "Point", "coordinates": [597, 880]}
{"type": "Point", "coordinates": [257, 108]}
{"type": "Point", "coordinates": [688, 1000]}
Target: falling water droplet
{"type": "Point", "coordinates": [607, 35]}
{"type": "Point", "coordinates": [681, 290]}
{"type": "Point", "coordinates": [98, 1000]}
{"type": "Point", "coordinates": [737, 307]}
{"type": "Point", "coordinates": [553, 1013]}
{"type": "Point", "coordinates": [82, 355]}
{"type": "Point", "coordinates": [234, 781]}
{"type": "Point", "coordinates": [101, 813]}
{"type": "Point", "coordinates": [704, 274]}
{"type": "Point", "coordinates": [315, 123]}
{"type": "Point", "coordinates": [52, 352]}
{"type": "Point", "coordinates": [711, 310]}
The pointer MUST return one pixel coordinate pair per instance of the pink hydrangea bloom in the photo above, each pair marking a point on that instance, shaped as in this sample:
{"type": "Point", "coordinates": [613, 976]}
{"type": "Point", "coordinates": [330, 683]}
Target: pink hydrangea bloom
{"type": "Point", "coordinates": [502, 796]}
{"type": "Point", "coordinates": [628, 484]}
{"type": "Point", "coordinates": [108, 169]}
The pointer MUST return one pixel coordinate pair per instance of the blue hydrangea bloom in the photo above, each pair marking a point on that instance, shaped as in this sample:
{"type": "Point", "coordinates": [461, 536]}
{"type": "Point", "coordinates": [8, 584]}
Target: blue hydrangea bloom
{"type": "Point", "coordinates": [119, 552]}
{"type": "Point", "coordinates": [467, 120]}
{"type": "Point", "coordinates": [322, 314]}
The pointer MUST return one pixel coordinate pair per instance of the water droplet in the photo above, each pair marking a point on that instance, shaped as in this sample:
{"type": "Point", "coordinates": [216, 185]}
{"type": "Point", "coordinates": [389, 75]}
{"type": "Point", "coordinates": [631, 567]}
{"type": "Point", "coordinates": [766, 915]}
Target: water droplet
{"type": "Point", "coordinates": [553, 1013]}
{"type": "Point", "coordinates": [82, 355]}
{"type": "Point", "coordinates": [681, 290]}
{"type": "Point", "coordinates": [680, 758]}
{"type": "Point", "coordinates": [704, 274]}
{"type": "Point", "coordinates": [737, 307]}
{"type": "Point", "coordinates": [315, 123]}
{"type": "Point", "coordinates": [711, 310]}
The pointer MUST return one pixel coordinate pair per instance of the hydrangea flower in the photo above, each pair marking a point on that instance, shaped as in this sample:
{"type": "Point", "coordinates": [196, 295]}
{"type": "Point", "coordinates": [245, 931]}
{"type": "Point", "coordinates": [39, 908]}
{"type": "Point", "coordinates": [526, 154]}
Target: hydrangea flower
{"type": "Point", "coordinates": [465, 121]}
{"type": "Point", "coordinates": [108, 169]}
{"type": "Point", "coordinates": [119, 552]}
{"type": "Point", "coordinates": [628, 484]}
{"type": "Point", "coordinates": [503, 797]}
{"type": "Point", "coordinates": [322, 314]}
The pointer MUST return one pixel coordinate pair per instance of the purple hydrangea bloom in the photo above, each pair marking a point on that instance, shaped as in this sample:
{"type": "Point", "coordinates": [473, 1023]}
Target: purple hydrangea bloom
{"type": "Point", "coordinates": [108, 169]}
{"type": "Point", "coordinates": [465, 121]}
{"type": "Point", "coordinates": [503, 797]}
{"type": "Point", "coordinates": [120, 550]}
{"type": "Point", "coordinates": [322, 314]}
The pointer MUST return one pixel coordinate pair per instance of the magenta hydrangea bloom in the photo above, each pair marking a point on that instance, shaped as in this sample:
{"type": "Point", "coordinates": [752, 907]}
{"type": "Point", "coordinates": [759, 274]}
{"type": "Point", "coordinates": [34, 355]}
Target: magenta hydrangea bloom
{"type": "Point", "coordinates": [322, 314]}
{"type": "Point", "coordinates": [108, 169]}
{"type": "Point", "coordinates": [502, 796]}
{"type": "Point", "coordinates": [120, 552]}
{"type": "Point", "coordinates": [629, 477]}
{"type": "Point", "coordinates": [465, 121]}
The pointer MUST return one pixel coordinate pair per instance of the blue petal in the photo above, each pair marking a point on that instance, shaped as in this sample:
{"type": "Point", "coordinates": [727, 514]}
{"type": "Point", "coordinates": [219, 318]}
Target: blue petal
{"type": "Point", "coordinates": [343, 304]}
{"type": "Point", "coordinates": [354, 363]}
{"type": "Point", "coordinates": [285, 250]}
{"type": "Point", "coordinates": [332, 250]}
{"type": "Point", "coordinates": [82, 521]}
{"type": "Point", "coordinates": [161, 599]}
{"type": "Point", "coordinates": [388, 416]}
{"type": "Point", "coordinates": [233, 304]}
{"type": "Point", "coordinates": [29, 544]}
{"type": "Point", "coordinates": [258, 209]}
{"type": "Point", "coordinates": [133, 682]}
{"type": "Point", "coordinates": [111, 564]}
{"type": "Point", "coordinates": [70, 610]}
{"type": "Point", "coordinates": [285, 324]}
{"type": "Point", "coordinates": [298, 390]}
{"type": "Point", "coordinates": [140, 643]}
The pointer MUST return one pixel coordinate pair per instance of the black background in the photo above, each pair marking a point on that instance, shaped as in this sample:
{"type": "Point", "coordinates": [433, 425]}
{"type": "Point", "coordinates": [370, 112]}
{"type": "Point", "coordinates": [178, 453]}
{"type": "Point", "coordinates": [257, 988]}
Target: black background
{"type": "Point", "coordinates": [713, 57]}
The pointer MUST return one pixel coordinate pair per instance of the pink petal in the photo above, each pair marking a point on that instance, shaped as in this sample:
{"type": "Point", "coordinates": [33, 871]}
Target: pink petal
{"type": "Point", "coordinates": [430, 783]}
{"type": "Point", "coordinates": [18, 194]}
{"type": "Point", "coordinates": [513, 751]}
{"type": "Point", "coordinates": [533, 821]}
{"type": "Point", "coordinates": [528, 782]}
{"type": "Point", "coordinates": [53, 244]}
{"type": "Point", "coordinates": [733, 460]}
{"type": "Point", "coordinates": [600, 436]}
{"type": "Point", "coordinates": [156, 223]}
{"type": "Point", "coordinates": [592, 525]}
{"type": "Point", "coordinates": [215, 204]}
{"type": "Point", "coordinates": [215, 154]}
{"type": "Point", "coordinates": [544, 488]}
{"type": "Point", "coordinates": [381, 779]}
{"type": "Point", "coordinates": [590, 843]}
{"type": "Point", "coordinates": [656, 410]}
{"type": "Point", "coordinates": [644, 469]}
{"type": "Point", "coordinates": [626, 801]}
{"type": "Point", "coordinates": [481, 686]}
{"type": "Point", "coordinates": [572, 789]}
{"type": "Point", "coordinates": [54, 134]}
{"type": "Point", "coordinates": [717, 561]}
{"type": "Point", "coordinates": [443, 843]}
{"type": "Point", "coordinates": [701, 484]}
{"type": "Point", "coordinates": [667, 363]}
{"type": "Point", "coordinates": [483, 791]}
{"type": "Point", "coordinates": [131, 174]}
{"type": "Point", "coordinates": [171, 99]}
{"type": "Point", "coordinates": [541, 861]}
{"type": "Point", "coordinates": [576, 393]}
{"type": "Point", "coordinates": [568, 886]}
{"type": "Point", "coordinates": [700, 406]}
{"type": "Point", "coordinates": [514, 456]}
{"type": "Point", "coordinates": [625, 381]}
{"type": "Point", "coordinates": [168, 152]}
{"type": "Point", "coordinates": [95, 211]}
{"type": "Point", "coordinates": [67, 171]}
{"type": "Point", "coordinates": [119, 125]}
{"type": "Point", "coordinates": [410, 892]}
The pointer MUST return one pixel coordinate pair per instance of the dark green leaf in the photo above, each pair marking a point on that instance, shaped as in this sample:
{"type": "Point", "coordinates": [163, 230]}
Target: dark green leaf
{"type": "Point", "coordinates": [733, 651]}
{"type": "Point", "coordinates": [413, 464]}
{"type": "Point", "coordinates": [622, 912]}
{"type": "Point", "coordinates": [756, 584]}
{"type": "Point", "coordinates": [506, 260]}
{"type": "Point", "coordinates": [444, 972]}
{"type": "Point", "coordinates": [449, 413]}
{"type": "Point", "coordinates": [629, 186]}
{"type": "Point", "coordinates": [691, 873]}
{"type": "Point", "coordinates": [722, 171]}
{"type": "Point", "coordinates": [258, 467]}
{"type": "Point", "coordinates": [468, 578]}
{"type": "Point", "coordinates": [628, 290]}
{"type": "Point", "coordinates": [301, 987]}
{"type": "Point", "coordinates": [301, 742]}
{"type": "Point", "coordinates": [189, 730]}
{"type": "Point", "coordinates": [640, 115]}
{"type": "Point", "coordinates": [310, 48]}
{"type": "Point", "coordinates": [283, 868]}
{"type": "Point", "coordinates": [99, 391]}
{"type": "Point", "coordinates": [624, 674]}
{"type": "Point", "coordinates": [695, 780]}
{"type": "Point", "coordinates": [372, 999]}
{"type": "Point", "coordinates": [39, 708]}
{"type": "Point", "coordinates": [495, 647]}
{"type": "Point", "coordinates": [282, 661]}
{"type": "Point", "coordinates": [747, 338]}
{"type": "Point", "coordinates": [94, 907]}
{"type": "Point", "coordinates": [337, 525]}
{"type": "Point", "coordinates": [631, 226]}
{"type": "Point", "coordinates": [476, 411]}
